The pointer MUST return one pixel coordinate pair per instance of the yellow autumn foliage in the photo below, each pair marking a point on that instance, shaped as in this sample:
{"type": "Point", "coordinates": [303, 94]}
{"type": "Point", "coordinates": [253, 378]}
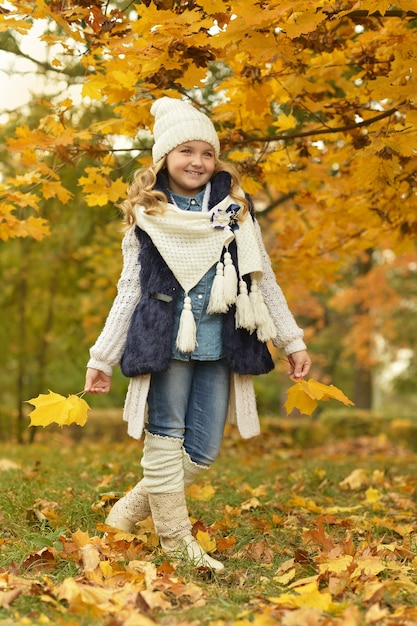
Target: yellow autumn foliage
{"type": "Point", "coordinates": [315, 103]}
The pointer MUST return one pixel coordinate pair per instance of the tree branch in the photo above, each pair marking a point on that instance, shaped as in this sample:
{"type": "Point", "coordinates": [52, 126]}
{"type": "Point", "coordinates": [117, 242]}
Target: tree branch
{"type": "Point", "coordinates": [361, 13]}
{"type": "Point", "coordinates": [9, 44]}
{"type": "Point", "coordinates": [319, 131]}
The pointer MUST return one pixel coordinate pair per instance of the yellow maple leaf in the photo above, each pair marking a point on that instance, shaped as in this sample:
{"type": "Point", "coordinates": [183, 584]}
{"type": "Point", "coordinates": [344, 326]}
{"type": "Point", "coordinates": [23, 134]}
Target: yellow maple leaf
{"type": "Point", "coordinates": [356, 479]}
{"type": "Point", "coordinates": [93, 87]}
{"type": "Point", "coordinates": [198, 492]}
{"type": "Point", "coordinates": [302, 22]}
{"type": "Point", "coordinates": [369, 565]}
{"type": "Point", "coordinates": [337, 564]}
{"type": "Point", "coordinates": [207, 542]}
{"type": "Point", "coordinates": [307, 596]}
{"type": "Point", "coordinates": [285, 122]}
{"type": "Point", "coordinates": [376, 5]}
{"type": "Point", "coordinates": [53, 408]}
{"type": "Point", "coordinates": [193, 76]}
{"type": "Point", "coordinates": [54, 189]}
{"type": "Point", "coordinates": [304, 395]}
{"type": "Point", "coordinates": [81, 538]}
{"type": "Point", "coordinates": [106, 569]}
{"type": "Point", "coordinates": [239, 155]}
{"type": "Point", "coordinates": [285, 578]}
{"type": "Point", "coordinates": [305, 503]}
{"type": "Point", "coordinates": [372, 495]}
{"type": "Point", "coordinates": [116, 189]}
{"type": "Point", "coordinates": [35, 227]}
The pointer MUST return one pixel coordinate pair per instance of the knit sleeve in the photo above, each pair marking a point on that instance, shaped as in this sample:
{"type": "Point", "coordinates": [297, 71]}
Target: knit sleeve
{"type": "Point", "coordinates": [289, 336]}
{"type": "Point", "coordinates": [109, 347]}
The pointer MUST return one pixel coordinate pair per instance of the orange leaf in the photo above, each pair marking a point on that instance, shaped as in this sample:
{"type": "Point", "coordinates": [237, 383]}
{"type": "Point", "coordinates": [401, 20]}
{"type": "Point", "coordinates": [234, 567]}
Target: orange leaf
{"type": "Point", "coordinates": [304, 396]}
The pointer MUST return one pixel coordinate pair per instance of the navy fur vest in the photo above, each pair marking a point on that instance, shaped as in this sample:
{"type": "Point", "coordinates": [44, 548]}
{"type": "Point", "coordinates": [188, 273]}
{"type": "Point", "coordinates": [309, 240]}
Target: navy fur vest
{"type": "Point", "coordinates": [149, 338]}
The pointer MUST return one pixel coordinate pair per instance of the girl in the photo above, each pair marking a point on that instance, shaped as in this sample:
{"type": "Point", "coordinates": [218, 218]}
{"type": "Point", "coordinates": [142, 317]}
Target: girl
{"type": "Point", "coordinates": [197, 301]}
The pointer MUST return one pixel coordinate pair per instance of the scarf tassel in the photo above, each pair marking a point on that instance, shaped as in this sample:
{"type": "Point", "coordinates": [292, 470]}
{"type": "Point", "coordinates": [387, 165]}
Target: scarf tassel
{"type": "Point", "coordinates": [230, 280]}
{"type": "Point", "coordinates": [245, 317]}
{"type": "Point", "coordinates": [217, 302]}
{"type": "Point", "coordinates": [265, 327]}
{"type": "Point", "coordinates": [187, 332]}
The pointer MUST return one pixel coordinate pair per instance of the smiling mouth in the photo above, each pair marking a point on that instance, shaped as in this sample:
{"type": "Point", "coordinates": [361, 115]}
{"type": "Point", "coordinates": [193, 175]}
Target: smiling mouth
{"type": "Point", "coordinates": [193, 173]}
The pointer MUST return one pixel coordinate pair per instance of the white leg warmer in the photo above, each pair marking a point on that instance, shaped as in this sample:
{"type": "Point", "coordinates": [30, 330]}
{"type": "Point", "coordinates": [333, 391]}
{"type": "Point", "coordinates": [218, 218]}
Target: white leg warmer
{"type": "Point", "coordinates": [162, 464]}
{"type": "Point", "coordinates": [191, 469]}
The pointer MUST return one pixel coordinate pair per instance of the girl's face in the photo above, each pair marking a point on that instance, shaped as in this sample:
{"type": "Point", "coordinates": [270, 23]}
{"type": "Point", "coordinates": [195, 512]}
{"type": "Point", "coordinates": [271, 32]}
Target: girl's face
{"type": "Point", "coordinates": [190, 166]}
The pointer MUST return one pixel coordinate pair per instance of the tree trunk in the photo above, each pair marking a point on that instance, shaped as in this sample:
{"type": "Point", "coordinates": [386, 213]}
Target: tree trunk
{"type": "Point", "coordinates": [22, 344]}
{"type": "Point", "coordinates": [363, 391]}
{"type": "Point", "coordinates": [44, 342]}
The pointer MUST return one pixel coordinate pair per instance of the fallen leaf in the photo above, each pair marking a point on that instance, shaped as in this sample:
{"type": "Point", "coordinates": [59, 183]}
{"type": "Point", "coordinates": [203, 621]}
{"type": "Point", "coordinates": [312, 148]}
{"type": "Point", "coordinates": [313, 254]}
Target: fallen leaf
{"type": "Point", "coordinates": [369, 565]}
{"type": "Point", "coordinates": [372, 495]}
{"type": "Point", "coordinates": [80, 538]}
{"type": "Point", "coordinates": [90, 557]}
{"type": "Point", "coordinates": [253, 503]}
{"type": "Point", "coordinates": [44, 559]}
{"type": "Point", "coordinates": [337, 564]}
{"type": "Point", "coordinates": [375, 614]}
{"type": "Point", "coordinates": [207, 542]}
{"type": "Point", "coordinates": [7, 597]}
{"type": "Point", "coordinates": [225, 543]}
{"type": "Point", "coordinates": [307, 596]}
{"type": "Point", "coordinates": [285, 578]}
{"type": "Point", "coordinates": [356, 479]}
{"type": "Point", "coordinates": [202, 493]}
{"type": "Point", "coordinates": [260, 552]}
{"type": "Point", "coordinates": [80, 595]}
{"type": "Point", "coordinates": [155, 599]}
{"type": "Point", "coordinates": [310, 505]}
{"type": "Point", "coordinates": [6, 464]}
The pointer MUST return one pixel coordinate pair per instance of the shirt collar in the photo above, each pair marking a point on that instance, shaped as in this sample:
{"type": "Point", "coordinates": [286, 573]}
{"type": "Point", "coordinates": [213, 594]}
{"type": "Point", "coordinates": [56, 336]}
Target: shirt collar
{"type": "Point", "coordinates": [188, 204]}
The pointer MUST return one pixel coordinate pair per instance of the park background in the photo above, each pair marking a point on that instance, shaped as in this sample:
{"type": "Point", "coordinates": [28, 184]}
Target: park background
{"type": "Point", "coordinates": [316, 105]}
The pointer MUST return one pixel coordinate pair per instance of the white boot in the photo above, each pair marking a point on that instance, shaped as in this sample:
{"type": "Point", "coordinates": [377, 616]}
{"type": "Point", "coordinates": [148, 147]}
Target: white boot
{"type": "Point", "coordinates": [163, 467]}
{"type": "Point", "coordinates": [134, 506]}
{"type": "Point", "coordinates": [172, 524]}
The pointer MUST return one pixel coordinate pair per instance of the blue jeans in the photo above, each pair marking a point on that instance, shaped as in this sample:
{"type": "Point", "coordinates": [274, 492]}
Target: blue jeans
{"type": "Point", "coordinates": [190, 401]}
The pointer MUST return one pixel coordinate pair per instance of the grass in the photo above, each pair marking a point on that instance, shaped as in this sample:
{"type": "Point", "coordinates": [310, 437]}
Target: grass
{"type": "Point", "coordinates": [278, 497]}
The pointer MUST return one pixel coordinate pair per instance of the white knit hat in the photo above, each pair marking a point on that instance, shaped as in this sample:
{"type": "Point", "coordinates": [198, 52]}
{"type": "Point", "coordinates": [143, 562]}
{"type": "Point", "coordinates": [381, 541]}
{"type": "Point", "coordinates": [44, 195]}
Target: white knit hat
{"type": "Point", "coordinates": [176, 122]}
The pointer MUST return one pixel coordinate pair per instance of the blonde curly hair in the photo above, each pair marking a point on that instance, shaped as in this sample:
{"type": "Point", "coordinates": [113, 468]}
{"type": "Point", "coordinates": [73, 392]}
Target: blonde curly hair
{"type": "Point", "coordinates": [142, 192]}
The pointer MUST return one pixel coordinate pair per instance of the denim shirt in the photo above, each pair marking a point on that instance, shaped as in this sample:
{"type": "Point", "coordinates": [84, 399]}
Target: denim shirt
{"type": "Point", "coordinates": [209, 345]}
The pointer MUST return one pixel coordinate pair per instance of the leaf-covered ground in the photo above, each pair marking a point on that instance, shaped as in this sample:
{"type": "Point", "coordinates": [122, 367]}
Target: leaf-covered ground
{"type": "Point", "coordinates": [316, 525]}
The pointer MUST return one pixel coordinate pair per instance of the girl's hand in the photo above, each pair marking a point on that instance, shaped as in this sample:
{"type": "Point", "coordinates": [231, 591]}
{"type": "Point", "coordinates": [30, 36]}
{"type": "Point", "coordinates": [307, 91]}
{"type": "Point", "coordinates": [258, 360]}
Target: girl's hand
{"type": "Point", "coordinates": [96, 381]}
{"type": "Point", "coordinates": [300, 363]}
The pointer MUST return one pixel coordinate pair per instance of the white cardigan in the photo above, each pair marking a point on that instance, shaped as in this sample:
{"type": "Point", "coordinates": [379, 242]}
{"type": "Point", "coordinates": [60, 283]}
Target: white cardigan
{"type": "Point", "coordinates": [109, 347]}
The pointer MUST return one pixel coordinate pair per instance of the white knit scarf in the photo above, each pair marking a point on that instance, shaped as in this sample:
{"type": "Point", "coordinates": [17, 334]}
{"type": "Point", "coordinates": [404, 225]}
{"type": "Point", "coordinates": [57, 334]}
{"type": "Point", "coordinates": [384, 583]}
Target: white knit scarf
{"type": "Point", "coordinates": [191, 243]}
